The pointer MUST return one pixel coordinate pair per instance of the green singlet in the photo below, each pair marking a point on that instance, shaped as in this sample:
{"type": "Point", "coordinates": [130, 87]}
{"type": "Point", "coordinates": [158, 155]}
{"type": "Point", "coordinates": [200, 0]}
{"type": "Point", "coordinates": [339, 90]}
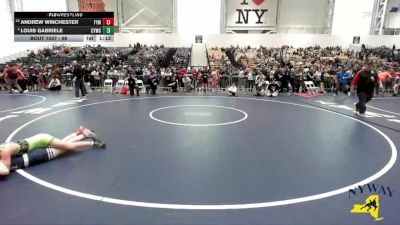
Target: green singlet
{"type": "Point", "coordinates": [34, 142]}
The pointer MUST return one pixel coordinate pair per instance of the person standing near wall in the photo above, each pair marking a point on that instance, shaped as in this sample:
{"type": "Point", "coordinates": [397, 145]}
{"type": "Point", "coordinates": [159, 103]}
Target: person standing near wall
{"type": "Point", "coordinates": [365, 81]}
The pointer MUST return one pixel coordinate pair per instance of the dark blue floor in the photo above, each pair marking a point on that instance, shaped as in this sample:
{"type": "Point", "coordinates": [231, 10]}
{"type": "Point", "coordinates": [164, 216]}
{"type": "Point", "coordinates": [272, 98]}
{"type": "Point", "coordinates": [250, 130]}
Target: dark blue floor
{"type": "Point", "coordinates": [388, 104]}
{"type": "Point", "coordinates": [281, 151]}
{"type": "Point", "coordinates": [17, 101]}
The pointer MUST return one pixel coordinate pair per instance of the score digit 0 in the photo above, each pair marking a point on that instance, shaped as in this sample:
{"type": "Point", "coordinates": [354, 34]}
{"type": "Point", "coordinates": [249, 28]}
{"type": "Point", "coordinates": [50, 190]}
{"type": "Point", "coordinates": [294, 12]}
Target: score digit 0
{"type": "Point", "coordinates": [108, 21]}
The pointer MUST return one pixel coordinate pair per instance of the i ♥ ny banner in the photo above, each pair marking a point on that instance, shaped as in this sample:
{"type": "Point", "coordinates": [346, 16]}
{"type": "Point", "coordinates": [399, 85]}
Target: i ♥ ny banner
{"type": "Point", "coordinates": [258, 2]}
{"type": "Point", "coordinates": [251, 13]}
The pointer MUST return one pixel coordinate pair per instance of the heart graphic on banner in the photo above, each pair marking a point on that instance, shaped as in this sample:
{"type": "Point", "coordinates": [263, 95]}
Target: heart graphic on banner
{"type": "Point", "coordinates": [258, 2]}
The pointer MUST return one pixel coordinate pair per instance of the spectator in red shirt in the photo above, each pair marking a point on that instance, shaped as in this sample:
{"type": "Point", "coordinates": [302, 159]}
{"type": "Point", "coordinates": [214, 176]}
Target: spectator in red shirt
{"type": "Point", "coordinates": [365, 81]}
{"type": "Point", "coordinates": [182, 72]}
{"type": "Point", "coordinates": [12, 74]}
{"type": "Point", "coordinates": [195, 75]}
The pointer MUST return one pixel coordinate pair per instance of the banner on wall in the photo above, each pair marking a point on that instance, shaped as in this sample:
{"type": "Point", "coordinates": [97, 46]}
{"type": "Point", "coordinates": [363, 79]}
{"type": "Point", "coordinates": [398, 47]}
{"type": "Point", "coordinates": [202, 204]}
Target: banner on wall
{"type": "Point", "coordinates": [356, 40]}
{"type": "Point", "coordinates": [251, 14]}
{"type": "Point", "coordinates": [91, 6]}
{"type": "Point", "coordinates": [94, 6]}
{"type": "Point", "coordinates": [392, 19]}
{"type": "Point", "coordinates": [199, 39]}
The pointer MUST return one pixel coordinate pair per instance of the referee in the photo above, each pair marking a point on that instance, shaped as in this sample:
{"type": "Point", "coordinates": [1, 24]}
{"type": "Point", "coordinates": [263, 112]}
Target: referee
{"type": "Point", "coordinates": [365, 81]}
{"type": "Point", "coordinates": [78, 74]}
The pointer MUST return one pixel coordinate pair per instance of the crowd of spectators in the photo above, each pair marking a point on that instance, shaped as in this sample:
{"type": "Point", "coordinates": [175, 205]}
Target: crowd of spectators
{"type": "Point", "coordinates": [181, 58]}
{"type": "Point", "coordinates": [37, 70]}
{"type": "Point", "coordinates": [330, 68]}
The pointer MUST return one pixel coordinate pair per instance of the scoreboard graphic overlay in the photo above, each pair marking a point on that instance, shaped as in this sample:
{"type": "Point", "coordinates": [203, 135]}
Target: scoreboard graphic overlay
{"type": "Point", "coordinates": [64, 26]}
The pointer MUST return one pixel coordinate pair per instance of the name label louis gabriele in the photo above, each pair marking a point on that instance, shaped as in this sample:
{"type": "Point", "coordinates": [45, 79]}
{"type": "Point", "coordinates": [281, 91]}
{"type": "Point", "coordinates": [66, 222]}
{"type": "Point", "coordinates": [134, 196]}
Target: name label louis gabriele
{"type": "Point", "coordinates": [41, 30]}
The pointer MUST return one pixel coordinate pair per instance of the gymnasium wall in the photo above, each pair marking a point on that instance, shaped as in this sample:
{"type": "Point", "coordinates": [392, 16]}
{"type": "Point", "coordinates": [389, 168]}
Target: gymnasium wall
{"type": "Point", "coordinates": [305, 12]}
{"type": "Point", "coordinates": [198, 17]}
{"type": "Point", "coordinates": [352, 17]}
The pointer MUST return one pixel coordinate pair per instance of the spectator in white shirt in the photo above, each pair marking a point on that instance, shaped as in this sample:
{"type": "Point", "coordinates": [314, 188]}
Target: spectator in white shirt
{"type": "Point", "coordinates": [241, 79]}
{"type": "Point", "coordinates": [250, 80]}
{"type": "Point", "coordinates": [55, 84]}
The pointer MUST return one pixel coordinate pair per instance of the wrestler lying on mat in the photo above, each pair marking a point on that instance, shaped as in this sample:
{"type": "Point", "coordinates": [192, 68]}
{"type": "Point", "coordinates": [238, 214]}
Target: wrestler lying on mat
{"type": "Point", "coordinates": [44, 147]}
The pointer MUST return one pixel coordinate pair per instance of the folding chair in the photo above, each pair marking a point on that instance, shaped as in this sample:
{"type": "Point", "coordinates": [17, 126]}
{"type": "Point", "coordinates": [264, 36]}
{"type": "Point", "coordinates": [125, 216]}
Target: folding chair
{"type": "Point", "coordinates": [120, 84]}
{"type": "Point", "coordinates": [310, 87]}
{"type": "Point", "coordinates": [108, 86]}
{"type": "Point", "coordinates": [142, 88]}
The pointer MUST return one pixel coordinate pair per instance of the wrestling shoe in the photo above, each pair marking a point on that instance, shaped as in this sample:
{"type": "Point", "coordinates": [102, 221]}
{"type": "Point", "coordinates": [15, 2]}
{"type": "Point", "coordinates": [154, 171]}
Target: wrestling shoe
{"type": "Point", "coordinates": [99, 144]}
{"type": "Point", "coordinates": [357, 109]}
{"type": "Point", "coordinates": [88, 133]}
